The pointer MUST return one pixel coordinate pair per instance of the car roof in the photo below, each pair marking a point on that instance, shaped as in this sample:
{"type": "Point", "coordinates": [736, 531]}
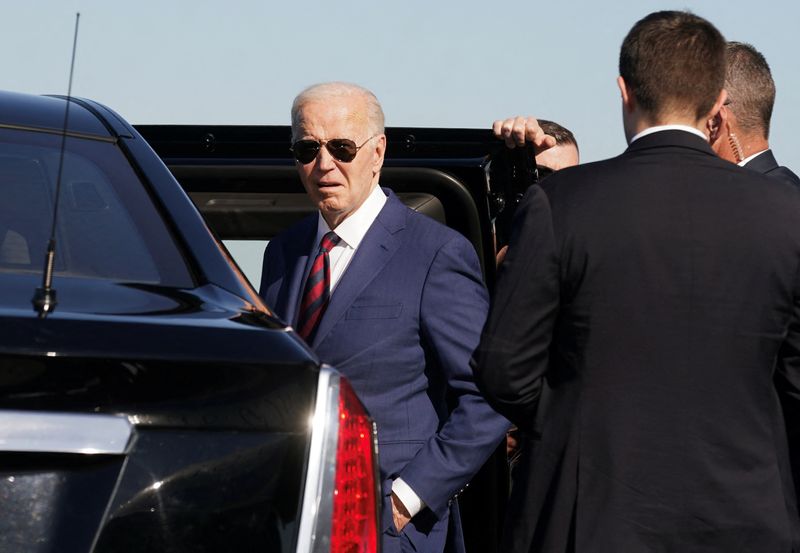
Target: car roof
{"type": "Point", "coordinates": [46, 114]}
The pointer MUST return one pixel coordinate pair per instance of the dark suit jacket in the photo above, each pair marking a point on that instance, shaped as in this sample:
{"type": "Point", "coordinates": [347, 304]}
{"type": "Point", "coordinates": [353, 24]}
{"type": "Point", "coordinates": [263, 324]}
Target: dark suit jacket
{"type": "Point", "coordinates": [401, 325]}
{"type": "Point", "coordinates": [638, 318]}
{"type": "Point", "coordinates": [767, 164]}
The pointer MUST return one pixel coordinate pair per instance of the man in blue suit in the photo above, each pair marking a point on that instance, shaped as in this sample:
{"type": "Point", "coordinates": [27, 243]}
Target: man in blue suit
{"type": "Point", "coordinates": [393, 300]}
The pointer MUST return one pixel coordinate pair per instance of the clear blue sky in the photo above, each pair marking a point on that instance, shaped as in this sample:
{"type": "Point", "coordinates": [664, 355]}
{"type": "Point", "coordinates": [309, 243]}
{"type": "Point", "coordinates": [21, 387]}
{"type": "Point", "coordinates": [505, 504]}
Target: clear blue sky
{"type": "Point", "coordinates": [433, 63]}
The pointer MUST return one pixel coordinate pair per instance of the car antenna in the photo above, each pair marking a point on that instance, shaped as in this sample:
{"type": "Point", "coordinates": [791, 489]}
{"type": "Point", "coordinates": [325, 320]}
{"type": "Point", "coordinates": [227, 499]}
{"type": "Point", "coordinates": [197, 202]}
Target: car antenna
{"type": "Point", "coordinates": [44, 299]}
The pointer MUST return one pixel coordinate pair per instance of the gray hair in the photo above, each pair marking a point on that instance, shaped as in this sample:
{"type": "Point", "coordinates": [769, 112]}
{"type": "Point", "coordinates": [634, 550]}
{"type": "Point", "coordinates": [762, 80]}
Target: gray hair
{"type": "Point", "coordinates": [751, 90]}
{"type": "Point", "coordinates": [324, 91]}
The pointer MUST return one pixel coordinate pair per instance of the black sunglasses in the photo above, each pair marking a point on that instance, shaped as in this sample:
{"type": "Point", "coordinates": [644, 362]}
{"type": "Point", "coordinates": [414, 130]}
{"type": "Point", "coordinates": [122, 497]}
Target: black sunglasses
{"type": "Point", "coordinates": [342, 149]}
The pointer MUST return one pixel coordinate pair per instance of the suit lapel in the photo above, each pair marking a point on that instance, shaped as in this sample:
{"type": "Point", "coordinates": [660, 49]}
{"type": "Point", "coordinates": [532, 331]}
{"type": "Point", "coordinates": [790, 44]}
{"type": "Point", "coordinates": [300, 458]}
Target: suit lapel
{"type": "Point", "coordinates": [297, 253]}
{"type": "Point", "coordinates": [376, 249]}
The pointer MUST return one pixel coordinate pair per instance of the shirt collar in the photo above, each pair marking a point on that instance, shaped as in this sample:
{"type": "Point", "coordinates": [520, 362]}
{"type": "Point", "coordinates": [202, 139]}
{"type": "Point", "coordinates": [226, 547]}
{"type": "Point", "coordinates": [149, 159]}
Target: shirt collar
{"type": "Point", "coordinates": [659, 128]}
{"type": "Point", "coordinates": [748, 159]}
{"type": "Point", "coordinates": [356, 225]}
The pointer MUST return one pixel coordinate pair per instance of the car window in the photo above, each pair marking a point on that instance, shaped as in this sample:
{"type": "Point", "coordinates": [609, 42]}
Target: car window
{"type": "Point", "coordinates": [107, 225]}
{"type": "Point", "coordinates": [249, 256]}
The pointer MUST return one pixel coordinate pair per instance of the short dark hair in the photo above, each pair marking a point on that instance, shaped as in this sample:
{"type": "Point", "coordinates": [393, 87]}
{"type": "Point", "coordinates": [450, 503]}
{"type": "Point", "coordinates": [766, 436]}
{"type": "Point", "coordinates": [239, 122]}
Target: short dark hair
{"type": "Point", "coordinates": [673, 62]}
{"type": "Point", "coordinates": [562, 134]}
{"type": "Point", "coordinates": [750, 87]}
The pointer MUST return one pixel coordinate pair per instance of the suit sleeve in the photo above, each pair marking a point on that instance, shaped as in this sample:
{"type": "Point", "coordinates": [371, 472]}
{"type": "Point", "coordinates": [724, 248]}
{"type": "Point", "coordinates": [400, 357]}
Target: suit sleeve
{"type": "Point", "coordinates": [513, 356]}
{"type": "Point", "coordinates": [787, 381]}
{"type": "Point", "coordinates": [266, 273]}
{"type": "Point", "coordinates": [273, 270]}
{"type": "Point", "coordinates": [453, 309]}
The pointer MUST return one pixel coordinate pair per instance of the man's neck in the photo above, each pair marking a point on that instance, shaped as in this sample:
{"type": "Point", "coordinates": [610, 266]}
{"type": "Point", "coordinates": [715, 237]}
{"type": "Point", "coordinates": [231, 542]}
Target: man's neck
{"type": "Point", "coordinates": [352, 228]}
{"type": "Point", "coordinates": [334, 218]}
{"type": "Point", "coordinates": [658, 128]}
{"type": "Point", "coordinates": [642, 123]}
{"type": "Point", "coordinates": [750, 143]}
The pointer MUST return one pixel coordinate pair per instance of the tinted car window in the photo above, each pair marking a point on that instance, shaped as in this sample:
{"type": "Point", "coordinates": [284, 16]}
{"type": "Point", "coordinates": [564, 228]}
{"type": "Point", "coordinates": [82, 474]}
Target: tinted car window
{"type": "Point", "coordinates": [107, 226]}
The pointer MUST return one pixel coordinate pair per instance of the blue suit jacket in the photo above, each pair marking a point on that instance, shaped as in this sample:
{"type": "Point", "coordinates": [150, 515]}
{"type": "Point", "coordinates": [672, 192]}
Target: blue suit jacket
{"type": "Point", "coordinates": [402, 324]}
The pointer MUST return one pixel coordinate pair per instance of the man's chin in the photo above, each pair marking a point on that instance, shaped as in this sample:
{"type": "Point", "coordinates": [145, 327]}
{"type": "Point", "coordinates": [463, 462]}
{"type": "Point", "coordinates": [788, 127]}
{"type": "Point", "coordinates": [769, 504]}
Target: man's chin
{"type": "Point", "coordinates": [329, 206]}
{"type": "Point", "coordinates": [332, 211]}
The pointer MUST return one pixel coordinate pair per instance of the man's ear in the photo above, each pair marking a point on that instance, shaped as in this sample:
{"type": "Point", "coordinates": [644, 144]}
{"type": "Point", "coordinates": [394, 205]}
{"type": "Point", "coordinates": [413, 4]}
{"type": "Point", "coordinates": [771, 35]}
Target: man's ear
{"type": "Point", "coordinates": [715, 109]}
{"type": "Point", "coordinates": [628, 101]}
{"type": "Point", "coordinates": [380, 152]}
{"type": "Point", "coordinates": [714, 127]}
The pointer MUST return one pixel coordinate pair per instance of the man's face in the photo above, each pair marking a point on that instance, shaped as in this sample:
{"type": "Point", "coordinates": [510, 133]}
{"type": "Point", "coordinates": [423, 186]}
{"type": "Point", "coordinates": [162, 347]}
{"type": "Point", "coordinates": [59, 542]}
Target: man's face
{"type": "Point", "coordinates": [558, 157]}
{"type": "Point", "coordinates": [339, 188]}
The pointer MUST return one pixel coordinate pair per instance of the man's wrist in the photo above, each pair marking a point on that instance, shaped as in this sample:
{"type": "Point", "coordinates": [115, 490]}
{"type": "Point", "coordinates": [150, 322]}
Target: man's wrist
{"type": "Point", "coordinates": [407, 497]}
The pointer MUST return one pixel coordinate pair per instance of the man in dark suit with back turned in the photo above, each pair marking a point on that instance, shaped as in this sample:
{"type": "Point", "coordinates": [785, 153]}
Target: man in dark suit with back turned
{"type": "Point", "coordinates": [393, 300]}
{"type": "Point", "coordinates": [654, 296]}
{"type": "Point", "coordinates": [740, 131]}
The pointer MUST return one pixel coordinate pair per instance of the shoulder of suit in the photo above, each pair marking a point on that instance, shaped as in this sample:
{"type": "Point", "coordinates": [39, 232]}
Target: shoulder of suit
{"type": "Point", "coordinates": [434, 231]}
{"type": "Point", "coordinates": [785, 174]}
{"type": "Point", "coordinates": [305, 225]}
{"type": "Point", "coordinates": [776, 178]}
{"type": "Point", "coordinates": [577, 175]}
{"type": "Point", "coordinates": [590, 179]}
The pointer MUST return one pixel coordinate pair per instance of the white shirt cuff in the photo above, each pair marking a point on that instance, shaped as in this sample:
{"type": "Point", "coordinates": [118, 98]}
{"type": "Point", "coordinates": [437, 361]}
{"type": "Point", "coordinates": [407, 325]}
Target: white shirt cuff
{"type": "Point", "coordinates": [407, 497]}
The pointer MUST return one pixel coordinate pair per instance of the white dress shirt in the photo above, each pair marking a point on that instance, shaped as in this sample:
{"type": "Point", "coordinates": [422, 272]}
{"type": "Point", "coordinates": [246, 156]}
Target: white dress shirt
{"type": "Point", "coordinates": [748, 159]}
{"type": "Point", "coordinates": [658, 128]}
{"type": "Point", "coordinates": [351, 232]}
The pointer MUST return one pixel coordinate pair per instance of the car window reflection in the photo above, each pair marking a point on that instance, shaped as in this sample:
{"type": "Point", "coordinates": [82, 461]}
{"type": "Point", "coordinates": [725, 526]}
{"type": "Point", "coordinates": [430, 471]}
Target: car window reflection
{"type": "Point", "coordinates": [107, 226]}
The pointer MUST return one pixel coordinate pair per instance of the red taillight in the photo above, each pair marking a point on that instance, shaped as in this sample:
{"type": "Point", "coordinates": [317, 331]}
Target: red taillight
{"type": "Point", "coordinates": [354, 523]}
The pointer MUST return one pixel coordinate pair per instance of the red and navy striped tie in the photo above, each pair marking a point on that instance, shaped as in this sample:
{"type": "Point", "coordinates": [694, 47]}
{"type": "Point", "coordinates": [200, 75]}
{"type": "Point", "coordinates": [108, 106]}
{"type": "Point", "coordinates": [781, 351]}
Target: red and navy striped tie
{"type": "Point", "coordinates": [318, 288]}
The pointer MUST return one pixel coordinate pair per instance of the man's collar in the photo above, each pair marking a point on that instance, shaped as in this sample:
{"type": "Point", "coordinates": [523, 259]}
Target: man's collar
{"type": "Point", "coordinates": [748, 159]}
{"type": "Point", "coordinates": [659, 128]}
{"type": "Point", "coordinates": [356, 225]}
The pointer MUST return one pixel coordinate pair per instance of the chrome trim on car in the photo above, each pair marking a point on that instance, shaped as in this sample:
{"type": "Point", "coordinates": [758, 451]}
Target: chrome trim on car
{"type": "Point", "coordinates": [46, 432]}
{"type": "Point", "coordinates": [314, 534]}
{"type": "Point", "coordinates": [59, 132]}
